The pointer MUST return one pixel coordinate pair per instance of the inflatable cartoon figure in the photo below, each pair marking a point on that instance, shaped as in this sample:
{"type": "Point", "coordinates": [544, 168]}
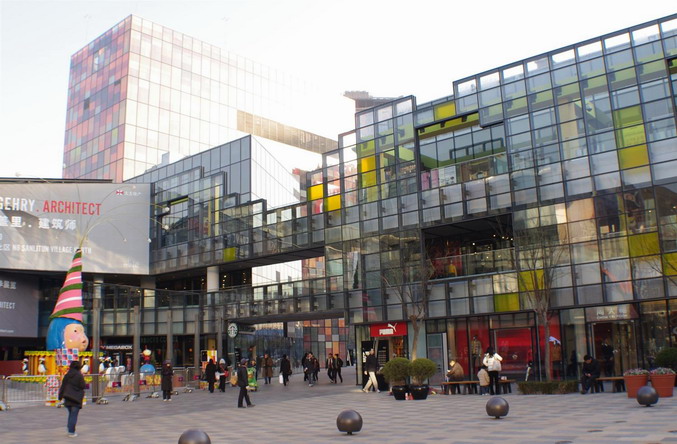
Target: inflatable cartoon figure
{"type": "Point", "coordinates": [66, 329]}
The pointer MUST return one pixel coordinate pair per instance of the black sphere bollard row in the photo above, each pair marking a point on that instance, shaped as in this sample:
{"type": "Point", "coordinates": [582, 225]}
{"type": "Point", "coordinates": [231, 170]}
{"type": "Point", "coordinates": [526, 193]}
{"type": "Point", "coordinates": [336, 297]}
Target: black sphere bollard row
{"type": "Point", "coordinates": [497, 407]}
{"type": "Point", "coordinates": [349, 421]}
{"type": "Point", "coordinates": [194, 436]}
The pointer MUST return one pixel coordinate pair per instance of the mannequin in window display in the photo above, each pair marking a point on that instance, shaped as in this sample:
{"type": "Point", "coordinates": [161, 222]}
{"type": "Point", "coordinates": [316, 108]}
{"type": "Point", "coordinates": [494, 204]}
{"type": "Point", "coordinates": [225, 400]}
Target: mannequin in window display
{"type": "Point", "coordinates": [476, 351]}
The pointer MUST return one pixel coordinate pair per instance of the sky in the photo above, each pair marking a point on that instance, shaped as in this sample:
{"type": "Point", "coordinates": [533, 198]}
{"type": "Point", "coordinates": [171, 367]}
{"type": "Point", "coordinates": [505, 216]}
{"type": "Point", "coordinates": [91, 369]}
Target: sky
{"type": "Point", "coordinates": [390, 48]}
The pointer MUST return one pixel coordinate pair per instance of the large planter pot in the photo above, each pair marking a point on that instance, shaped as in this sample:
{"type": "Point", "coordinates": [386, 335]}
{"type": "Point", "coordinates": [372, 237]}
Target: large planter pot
{"type": "Point", "coordinates": [633, 383]}
{"type": "Point", "coordinates": [664, 384]}
{"type": "Point", "coordinates": [419, 392]}
{"type": "Point", "coordinates": [400, 392]}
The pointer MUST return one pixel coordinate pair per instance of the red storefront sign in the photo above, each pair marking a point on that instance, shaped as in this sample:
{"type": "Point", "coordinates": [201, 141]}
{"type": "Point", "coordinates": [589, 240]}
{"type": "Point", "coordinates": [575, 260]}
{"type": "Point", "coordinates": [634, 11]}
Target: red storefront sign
{"type": "Point", "coordinates": [389, 329]}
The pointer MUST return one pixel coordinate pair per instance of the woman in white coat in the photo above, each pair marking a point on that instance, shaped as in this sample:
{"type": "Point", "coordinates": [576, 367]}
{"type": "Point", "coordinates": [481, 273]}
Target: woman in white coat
{"type": "Point", "coordinates": [493, 362]}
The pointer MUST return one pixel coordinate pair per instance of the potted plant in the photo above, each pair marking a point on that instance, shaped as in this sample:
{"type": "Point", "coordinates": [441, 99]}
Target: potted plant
{"type": "Point", "coordinates": [634, 379]}
{"type": "Point", "coordinates": [420, 370]}
{"type": "Point", "coordinates": [667, 358]}
{"type": "Point", "coordinates": [396, 372]}
{"type": "Point", "coordinates": [663, 380]}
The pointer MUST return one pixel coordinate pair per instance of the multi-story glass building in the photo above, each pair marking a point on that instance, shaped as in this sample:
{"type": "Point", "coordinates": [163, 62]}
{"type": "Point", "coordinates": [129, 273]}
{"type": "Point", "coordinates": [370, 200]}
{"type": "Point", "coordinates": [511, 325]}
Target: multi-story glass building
{"type": "Point", "coordinates": [141, 94]}
{"type": "Point", "coordinates": [546, 186]}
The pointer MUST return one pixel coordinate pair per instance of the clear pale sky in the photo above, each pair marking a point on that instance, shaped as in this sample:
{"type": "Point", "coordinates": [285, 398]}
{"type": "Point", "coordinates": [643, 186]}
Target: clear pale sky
{"type": "Point", "coordinates": [389, 48]}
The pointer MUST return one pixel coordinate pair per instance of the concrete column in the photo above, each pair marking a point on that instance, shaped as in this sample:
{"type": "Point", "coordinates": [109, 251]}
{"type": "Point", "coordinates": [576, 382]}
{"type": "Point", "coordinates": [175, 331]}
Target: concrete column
{"type": "Point", "coordinates": [196, 344]}
{"type": "Point", "coordinates": [136, 349]}
{"type": "Point", "coordinates": [219, 332]}
{"type": "Point", "coordinates": [96, 335]}
{"type": "Point", "coordinates": [170, 338]}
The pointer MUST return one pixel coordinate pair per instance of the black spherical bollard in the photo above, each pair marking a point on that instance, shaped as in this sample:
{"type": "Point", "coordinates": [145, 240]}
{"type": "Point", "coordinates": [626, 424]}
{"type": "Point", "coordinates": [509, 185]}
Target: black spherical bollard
{"type": "Point", "coordinates": [194, 436]}
{"type": "Point", "coordinates": [349, 421]}
{"type": "Point", "coordinates": [497, 407]}
{"type": "Point", "coordinates": [647, 395]}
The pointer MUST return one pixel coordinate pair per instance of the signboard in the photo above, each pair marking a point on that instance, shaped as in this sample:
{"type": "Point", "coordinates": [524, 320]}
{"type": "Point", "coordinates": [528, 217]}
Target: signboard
{"type": "Point", "coordinates": [42, 224]}
{"type": "Point", "coordinates": [232, 330]}
{"type": "Point", "coordinates": [611, 313]}
{"type": "Point", "coordinates": [389, 329]}
{"type": "Point", "coordinates": [18, 306]}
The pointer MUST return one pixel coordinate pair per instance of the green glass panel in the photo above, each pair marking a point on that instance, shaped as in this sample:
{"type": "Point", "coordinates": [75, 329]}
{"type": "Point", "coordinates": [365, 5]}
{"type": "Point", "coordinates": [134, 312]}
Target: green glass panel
{"type": "Point", "coordinates": [506, 302]}
{"type": "Point", "coordinates": [630, 136]}
{"type": "Point", "coordinates": [567, 93]}
{"type": "Point", "coordinates": [516, 106]}
{"type": "Point", "coordinates": [541, 100]}
{"type": "Point", "coordinates": [594, 86]}
{"type": "Point", "coordinates": [621, 79]}
{"type": "Point", "coordinates": [366, 148]}
{"type": "Point", "coordinates": [405, 153]}
{"type": "Point", "coordinates": [627, 116]}
{"type": "Point", "coordinates": [643, 244]}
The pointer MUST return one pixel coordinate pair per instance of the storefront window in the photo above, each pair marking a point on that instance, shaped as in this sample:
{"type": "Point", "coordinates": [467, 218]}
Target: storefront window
{"type": "Point", "coordinates": [573, 340]}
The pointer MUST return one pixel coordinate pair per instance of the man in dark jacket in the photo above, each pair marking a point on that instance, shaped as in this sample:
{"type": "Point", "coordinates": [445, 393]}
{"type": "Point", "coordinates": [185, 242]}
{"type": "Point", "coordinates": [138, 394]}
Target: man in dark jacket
{"type": "Point", "coordinates": [370, 369]}
{"type": "Point", "coordinates": [72, 391]}
{"type": "Point", "coordinates": [167, 374]}
{"type": "Point", "coordinates": [590, 373]}
{"type": "Point", "coordinates": [242, 382]}
{"type": "Point", "coordinates": [210, 375]}
{"type": "Point", "coordinates": [285, 369]}
{"type": "Point", "coordinates": [330, 365]}
{"type": "Point", "coordinates": [338, 364]}
{"type": "Point", "coordinates": [311, 368]}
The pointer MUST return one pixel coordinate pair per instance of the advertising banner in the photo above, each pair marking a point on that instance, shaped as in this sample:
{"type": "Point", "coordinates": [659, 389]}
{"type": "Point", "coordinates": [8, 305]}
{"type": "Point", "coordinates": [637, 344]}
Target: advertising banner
{"type": "Point", "coordinates": [18, 306]}
{"type": "Point", "coordinates": [42, 224]}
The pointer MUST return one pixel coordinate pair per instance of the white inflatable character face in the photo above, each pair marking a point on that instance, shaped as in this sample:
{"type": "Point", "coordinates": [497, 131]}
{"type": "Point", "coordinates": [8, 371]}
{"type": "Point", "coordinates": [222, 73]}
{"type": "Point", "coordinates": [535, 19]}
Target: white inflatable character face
{"type": "Point", "coordinates": [74, 337]}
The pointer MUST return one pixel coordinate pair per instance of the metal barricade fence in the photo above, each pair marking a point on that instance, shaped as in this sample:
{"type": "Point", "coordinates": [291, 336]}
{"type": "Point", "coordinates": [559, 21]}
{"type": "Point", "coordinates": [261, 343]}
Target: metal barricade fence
{"type": "Point", "coordinates": [3, 393]}
{"type": "Point", "coordinates": [27, 389]}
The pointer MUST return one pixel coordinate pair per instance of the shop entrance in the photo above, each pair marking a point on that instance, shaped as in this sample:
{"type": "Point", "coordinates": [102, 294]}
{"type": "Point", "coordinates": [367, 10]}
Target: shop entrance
{"type": "Point", "coordinates": [614, 345]}
{"type": "Point", "coordinates": [515, 345]}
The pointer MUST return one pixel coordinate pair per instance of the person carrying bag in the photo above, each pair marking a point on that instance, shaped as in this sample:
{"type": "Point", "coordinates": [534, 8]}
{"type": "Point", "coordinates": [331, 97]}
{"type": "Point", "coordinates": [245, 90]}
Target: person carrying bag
{"type": "Point", "coordinates": [493, 362]}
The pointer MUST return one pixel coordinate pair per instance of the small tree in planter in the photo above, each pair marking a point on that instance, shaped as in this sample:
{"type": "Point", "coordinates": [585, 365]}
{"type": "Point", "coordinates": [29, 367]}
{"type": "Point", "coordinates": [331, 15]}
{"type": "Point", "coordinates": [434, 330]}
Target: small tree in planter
{"type": "Point", "coordinates": [663, 380]}
{"type": "Point", "coordinates": [420, 370]}
{"type": "Point", "coordinates": [634, 379]}
{"type": "Point", "coordinates": [396, 372]}
{"type": "Point", "coordinates": [667, 358]}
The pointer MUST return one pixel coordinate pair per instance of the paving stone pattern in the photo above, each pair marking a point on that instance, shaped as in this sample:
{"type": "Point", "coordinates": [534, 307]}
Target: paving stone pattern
{"type": "Point", "coordinates": [301, 414]}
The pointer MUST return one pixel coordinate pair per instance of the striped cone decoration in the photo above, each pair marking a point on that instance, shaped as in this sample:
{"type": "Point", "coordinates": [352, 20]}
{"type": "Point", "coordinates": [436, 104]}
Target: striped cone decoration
{"type": "Point", "coordinates": [69, 304]}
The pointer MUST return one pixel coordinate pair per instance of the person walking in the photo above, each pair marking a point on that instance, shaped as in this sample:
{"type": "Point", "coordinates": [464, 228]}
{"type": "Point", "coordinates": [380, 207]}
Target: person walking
{"type": "Point", "coordinates": [267, 363]}
{"type": "Point", "coordinates": [338, 364]}
{"type": "Point", "coordinates": [285, 369]}
{"type": "Point", "coordinates": [370, 369]}
{"type": "Point", "coordinates": [223, 375]}
{"type": "Point", "coordinates": [330, 365]}
{"type": "Point", "coordinates": [485, 381]}
{"type": "Point", "coordinates": [242, 382]}
{"type": "Point", "coordinates": [210, 375]}
{"type": "Point", "coordinates": [166, 373]}
{"type": "Point", "coordinates": [493, 362]}
{"type": "Point", "coordinates": [72, 391]}
{"type": "Point", "coordinates": [311, 369]}
{"type": "Point", "coordinates": [303, 364]}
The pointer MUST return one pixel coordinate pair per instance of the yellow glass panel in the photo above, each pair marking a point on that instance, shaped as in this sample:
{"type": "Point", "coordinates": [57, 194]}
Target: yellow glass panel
{"type": "Point", "coordinates": [633, 157]}
{"type": "Point", "coordinates": [627, 117]}
{"type": "Point", "coordinates": [368, 179]}
{"type": "Point", "coordinates": [643, 244]}
{"type": "Point", "coordinates": [506, 302]}
{"type": "Point", "coordinates": [367, 164]}
{"type": "Point", "coordinates": [332, 203]}
{"type": "Point", "coordinates": [445, 110]}
{"type": "Point", "coordinates": [631, 136]}
{"type": "Point", "coordinates": [372, 194]}
{"type": "Point", "coordinates": [670, 264]}
{"type": "Point", "coordinates": [315, 192]}
{"type": "Point", "coordinates": [229, 254]}
{"type": "Point", "coordinates": [530, 280]}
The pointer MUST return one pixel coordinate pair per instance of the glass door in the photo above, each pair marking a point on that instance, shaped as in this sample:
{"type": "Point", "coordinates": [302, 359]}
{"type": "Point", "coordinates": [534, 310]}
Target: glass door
{"type": "Point", "coordinates": [614, 345]}
{"type": "Point", "coordinates": [436, 352]}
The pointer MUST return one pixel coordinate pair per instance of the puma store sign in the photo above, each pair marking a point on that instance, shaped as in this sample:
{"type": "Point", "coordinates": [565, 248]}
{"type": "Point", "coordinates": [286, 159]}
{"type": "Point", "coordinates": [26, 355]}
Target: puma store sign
{"type": "Point", "coordinates": [388, 329]}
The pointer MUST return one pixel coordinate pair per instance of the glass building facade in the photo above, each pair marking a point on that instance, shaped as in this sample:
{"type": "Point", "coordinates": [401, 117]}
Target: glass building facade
{"type": "Point", "coordinates": [142, 94]}
{"type": "Point", "coordinates": [554, 175]}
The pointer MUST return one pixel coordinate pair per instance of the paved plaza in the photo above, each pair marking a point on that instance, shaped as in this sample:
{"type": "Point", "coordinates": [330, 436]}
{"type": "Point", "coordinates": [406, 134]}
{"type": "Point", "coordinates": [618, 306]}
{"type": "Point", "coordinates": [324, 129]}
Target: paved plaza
{"type": "Point", "coordinates": [299, 414]}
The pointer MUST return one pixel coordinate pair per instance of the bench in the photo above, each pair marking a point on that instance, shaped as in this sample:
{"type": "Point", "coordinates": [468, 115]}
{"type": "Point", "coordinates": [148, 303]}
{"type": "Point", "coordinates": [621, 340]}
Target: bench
{"type": "Point", "coordinates": [617, 383]}
{"type": "Point", "coordinates": [471, 386]}
{"type": "Point", "coordinates": [468, 386]}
